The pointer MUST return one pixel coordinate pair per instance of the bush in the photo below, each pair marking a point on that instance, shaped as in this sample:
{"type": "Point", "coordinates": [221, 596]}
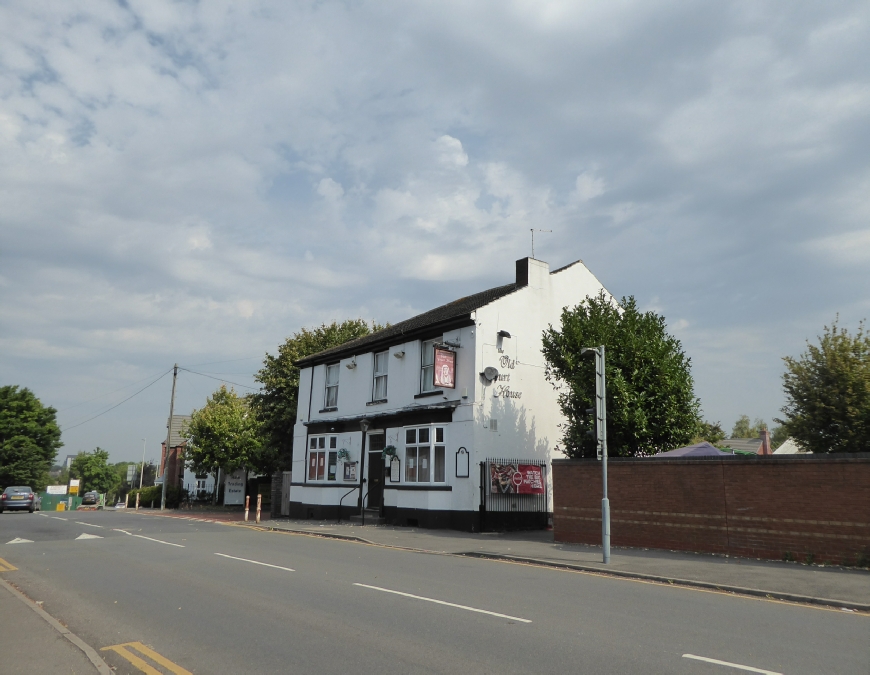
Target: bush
{"type": "Point", "coordinates": [174, 496]}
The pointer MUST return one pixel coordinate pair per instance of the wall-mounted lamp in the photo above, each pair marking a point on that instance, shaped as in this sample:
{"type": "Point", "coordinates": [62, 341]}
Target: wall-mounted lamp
{"type": "Point", "coordinates": [400, 354]}
{"type": "Point", "coordinates": [502, 334]}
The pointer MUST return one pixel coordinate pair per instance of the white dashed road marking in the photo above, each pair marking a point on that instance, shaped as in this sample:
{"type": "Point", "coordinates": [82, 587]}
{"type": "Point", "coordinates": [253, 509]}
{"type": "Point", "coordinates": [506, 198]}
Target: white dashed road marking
{"type": "Point", "coordinates": [730, 665]}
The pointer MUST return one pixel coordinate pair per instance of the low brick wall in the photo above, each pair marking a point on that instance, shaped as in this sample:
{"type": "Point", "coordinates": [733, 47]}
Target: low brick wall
{"type": "Point", "coordinates": [765, 507]}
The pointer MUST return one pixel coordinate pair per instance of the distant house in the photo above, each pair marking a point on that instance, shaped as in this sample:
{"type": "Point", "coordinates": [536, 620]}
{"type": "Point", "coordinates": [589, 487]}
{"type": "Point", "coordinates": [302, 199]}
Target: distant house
{"type": "Point", "coordinates": [790, 447]}
{"type": "Point", "coordinates": [755, 446]}
{"type": "Point", "coordinates": [174, 459]}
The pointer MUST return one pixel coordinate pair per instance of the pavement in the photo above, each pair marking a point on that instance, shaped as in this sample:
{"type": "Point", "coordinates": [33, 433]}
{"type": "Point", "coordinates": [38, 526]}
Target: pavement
{"type": "Point", "coordinates": [34, 642]}
{"type": "Point", "coordinates": [789, 581]}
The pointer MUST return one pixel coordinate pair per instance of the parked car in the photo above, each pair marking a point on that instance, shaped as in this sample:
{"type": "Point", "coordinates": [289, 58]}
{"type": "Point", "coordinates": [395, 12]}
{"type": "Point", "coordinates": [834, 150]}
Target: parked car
{"type": "Point", "coordinates": [90, 498]}
{"type": "Point", "coordinates": [19, 498]}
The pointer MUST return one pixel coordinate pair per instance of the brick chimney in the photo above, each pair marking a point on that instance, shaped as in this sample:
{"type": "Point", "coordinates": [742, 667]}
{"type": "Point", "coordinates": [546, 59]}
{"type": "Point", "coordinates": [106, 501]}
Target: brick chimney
{"type": "Point", "coordinates": [765, 443]}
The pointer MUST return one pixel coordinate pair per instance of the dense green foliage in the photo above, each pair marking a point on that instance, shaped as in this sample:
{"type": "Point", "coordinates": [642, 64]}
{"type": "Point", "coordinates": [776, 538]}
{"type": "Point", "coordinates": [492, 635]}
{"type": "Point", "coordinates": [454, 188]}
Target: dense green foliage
{"type": "Point", "coordinates": [276, 403]}
{"type": "Point", "coordinates": [743, 428]}
{"type": "Point", "coordinates": [226, 434]}
{"type": "Point", "coordinates": [711, 432]}
{"type": "Point", "coordinates": [29, 438]}
{"type": "Point", "coordinates": [827, 391]}
{"type": "Point", "coordinates": [95, 472]}
{"type": "Point", "coordinates": [651, 405]}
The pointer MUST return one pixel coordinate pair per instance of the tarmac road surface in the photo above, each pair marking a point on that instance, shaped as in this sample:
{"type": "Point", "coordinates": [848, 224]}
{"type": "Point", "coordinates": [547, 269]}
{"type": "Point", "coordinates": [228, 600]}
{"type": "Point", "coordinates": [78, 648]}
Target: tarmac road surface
{"type": "Point", "coordinates": [183, 596]}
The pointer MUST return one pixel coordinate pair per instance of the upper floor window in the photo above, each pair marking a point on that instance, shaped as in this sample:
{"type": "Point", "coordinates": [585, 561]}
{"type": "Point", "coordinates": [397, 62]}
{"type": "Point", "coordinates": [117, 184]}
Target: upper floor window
{"type": "Point", "coordinates": [331, 399]}
{"type": "Point", "coordinates": [379, 385]}
{"type": "Point", "coordinates": [322, 457]}
{"type": "Point", "coordinates": [427, 376]}
{"type": "Point", "coordinates": [425, 460]}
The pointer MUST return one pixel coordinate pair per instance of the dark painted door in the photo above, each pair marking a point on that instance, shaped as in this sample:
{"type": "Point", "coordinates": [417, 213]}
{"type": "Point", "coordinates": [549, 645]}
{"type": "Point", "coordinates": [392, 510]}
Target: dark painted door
{"type": "Point", "coordinates": [376, 472]}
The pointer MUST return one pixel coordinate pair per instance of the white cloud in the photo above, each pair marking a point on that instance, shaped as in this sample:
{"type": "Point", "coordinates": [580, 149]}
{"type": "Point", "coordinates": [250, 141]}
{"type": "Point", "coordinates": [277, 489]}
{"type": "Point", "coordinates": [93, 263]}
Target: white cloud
{"type": "Point", "coordinates": [198, 180]}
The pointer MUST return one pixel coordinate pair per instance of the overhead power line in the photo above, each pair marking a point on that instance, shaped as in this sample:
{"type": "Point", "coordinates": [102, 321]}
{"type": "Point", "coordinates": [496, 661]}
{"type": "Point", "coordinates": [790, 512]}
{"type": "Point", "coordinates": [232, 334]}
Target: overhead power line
{"type": "Point", "coordinates": [117, 404]}
{"type": "Point", "coordinates": [219, 379]}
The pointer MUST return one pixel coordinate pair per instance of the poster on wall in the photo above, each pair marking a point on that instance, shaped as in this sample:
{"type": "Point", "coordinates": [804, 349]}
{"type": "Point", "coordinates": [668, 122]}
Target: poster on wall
{"type": "Point", "coordinates": [518, 479]}
{"type": "Point", "coordinates": [234, 488]}
{"type": "Point", "coordinates": [445, 369]}
{"type": "Point", "coordinates": [350, 470]}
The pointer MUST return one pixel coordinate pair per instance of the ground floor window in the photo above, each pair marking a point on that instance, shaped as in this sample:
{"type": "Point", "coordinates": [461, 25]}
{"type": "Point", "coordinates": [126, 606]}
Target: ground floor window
{"type": "Point", "coordinates": [322, 457]}
{"type": "Point", "coordinates": [425, 455]}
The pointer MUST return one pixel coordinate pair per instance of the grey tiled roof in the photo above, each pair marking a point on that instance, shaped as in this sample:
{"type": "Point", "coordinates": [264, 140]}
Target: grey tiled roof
{"type": "Point", "coordinates": [747, 444]}
{"type": "Point", "coordinates": [452, 310]}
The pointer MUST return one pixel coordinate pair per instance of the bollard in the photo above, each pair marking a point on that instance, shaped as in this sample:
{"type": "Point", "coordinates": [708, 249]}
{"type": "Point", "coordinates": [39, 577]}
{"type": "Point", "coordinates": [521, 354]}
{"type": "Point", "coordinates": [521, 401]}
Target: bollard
{"type": "Point", "coordinates": [247, 506]}
{"type": "Point", "coordinates": [126, 500]}
{"type": "Point", "coordinates": [259, 504]}
{"type": "Point", "coordinates": [137, 501]}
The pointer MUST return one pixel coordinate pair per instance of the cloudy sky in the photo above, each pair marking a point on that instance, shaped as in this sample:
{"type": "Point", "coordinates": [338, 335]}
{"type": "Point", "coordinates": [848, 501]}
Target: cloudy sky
{"type": "Point", "coordinates": [193, 182]}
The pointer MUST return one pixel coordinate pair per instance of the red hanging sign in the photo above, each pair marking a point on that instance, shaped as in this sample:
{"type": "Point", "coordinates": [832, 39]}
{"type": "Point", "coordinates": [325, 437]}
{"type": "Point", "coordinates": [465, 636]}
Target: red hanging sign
{"type": "Point", "coordinates": [445, 369]}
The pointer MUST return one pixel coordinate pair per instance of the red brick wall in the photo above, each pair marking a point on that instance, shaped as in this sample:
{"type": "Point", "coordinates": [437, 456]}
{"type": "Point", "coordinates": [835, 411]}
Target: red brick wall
{"type": "Point", "coordinates": [761, 507]}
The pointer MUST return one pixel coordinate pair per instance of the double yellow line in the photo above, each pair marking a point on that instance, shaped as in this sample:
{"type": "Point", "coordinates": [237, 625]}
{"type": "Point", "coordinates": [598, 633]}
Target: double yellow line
{"type": "Point", "coordinates": [143, 665]}
{"type": "Point", "coordinates": [6, 567]}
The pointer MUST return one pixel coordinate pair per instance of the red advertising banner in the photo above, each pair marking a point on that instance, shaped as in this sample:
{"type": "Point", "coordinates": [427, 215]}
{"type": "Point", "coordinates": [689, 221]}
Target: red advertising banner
{"type": "Point", "coordinates": [445, 369]}
{"type": "Point", "coordinates": [520, 479]}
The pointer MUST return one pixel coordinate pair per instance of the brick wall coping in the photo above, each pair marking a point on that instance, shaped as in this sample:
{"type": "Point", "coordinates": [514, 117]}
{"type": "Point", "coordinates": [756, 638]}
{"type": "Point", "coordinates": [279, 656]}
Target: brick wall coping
{"type": "Point", "coordinates": [833, 458]}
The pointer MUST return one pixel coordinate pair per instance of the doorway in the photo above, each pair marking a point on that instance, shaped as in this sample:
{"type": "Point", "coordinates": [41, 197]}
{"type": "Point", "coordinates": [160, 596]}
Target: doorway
{"type": "Point", "coordinates": [375, 477]}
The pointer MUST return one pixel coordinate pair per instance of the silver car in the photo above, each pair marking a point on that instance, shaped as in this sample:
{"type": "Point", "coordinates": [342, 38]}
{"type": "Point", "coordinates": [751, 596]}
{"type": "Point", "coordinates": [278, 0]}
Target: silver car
{"type": "Point", "coordinates": [19, 498]}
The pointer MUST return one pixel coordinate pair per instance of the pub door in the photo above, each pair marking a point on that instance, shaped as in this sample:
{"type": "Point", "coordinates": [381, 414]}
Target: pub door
{"type": "Point", "coordinates": [375, 477]}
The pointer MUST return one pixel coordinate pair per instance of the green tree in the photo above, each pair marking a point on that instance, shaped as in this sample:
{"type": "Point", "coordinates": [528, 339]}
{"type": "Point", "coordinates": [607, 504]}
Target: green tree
{"type": "Point", "coordinates": [743, 428]}
{"type": "Point", "coordinates": [711, 432]}
{"type": "Point", "coordinates": [29, 438]}
{"type": "Point", "coordinates": [226, 434]}
{"type": "Point", "coordinates": [827, 391]}
{"type": "Point", "coordinates": [94, 471]}
{"type": "Point", "coordinates": [651, 404]}
{"type": "Point", "coordinates": [276, 403]}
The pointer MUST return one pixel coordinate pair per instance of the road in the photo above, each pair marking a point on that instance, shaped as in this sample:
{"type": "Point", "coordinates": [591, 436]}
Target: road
{"type": "Point", "coordinates": [211, 598]}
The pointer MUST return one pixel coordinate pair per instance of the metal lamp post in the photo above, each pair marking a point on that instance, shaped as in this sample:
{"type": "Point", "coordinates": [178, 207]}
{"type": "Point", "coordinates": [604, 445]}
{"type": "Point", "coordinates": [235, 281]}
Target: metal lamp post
{"type": "Point", "coordinates": [142, 472]}
{"type": "Point", "coordinates": [364, 425]}
{"type": "Point", "coordinates": [601, 429]}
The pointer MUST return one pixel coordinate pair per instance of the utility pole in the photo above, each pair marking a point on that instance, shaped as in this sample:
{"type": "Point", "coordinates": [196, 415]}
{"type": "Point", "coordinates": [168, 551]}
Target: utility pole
{"type": "Point", "coordinates": [601, 432]}
{"type": "Point", "coordinates": [142, 472]}
{"type": "Point", "coordinates": [168, 434]}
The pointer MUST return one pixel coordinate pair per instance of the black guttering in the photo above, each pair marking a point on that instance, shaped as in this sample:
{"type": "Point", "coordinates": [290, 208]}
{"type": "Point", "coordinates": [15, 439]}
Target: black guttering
{"type": "Point", "coordinates": [456, 314]}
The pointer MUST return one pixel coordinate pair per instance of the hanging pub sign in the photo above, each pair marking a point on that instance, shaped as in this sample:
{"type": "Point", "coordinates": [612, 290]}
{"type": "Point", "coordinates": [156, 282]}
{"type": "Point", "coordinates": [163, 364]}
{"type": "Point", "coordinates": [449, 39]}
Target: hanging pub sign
{"type": "Point", "coordinates": [517, 479]}
{"type": "Point", "coordinates": [445, 369]}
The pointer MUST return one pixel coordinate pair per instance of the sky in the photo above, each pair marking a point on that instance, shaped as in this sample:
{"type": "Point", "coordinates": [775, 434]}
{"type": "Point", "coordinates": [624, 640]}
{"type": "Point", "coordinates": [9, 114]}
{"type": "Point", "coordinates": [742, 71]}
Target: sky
{"type": "Point", "coordinates": [193, 182]}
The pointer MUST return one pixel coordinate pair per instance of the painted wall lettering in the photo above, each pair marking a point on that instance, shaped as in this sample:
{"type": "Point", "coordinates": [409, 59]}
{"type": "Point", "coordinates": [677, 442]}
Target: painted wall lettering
{"type": "Point", "coordinates": [504, 391]}
{"type": "Point", "coordinates": [507, 362]}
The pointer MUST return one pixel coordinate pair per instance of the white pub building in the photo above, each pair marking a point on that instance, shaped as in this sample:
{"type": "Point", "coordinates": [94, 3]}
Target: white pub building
{"type": "Point", "coordinates": [442, 420]}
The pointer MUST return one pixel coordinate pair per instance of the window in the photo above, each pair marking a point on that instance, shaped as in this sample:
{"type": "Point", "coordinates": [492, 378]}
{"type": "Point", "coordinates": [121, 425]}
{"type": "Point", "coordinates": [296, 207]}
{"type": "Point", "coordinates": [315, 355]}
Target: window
{"type": "Point", "coordinates": [427, 378]}
{"type": "Point", "coordinates": [425, 455]}
{"type": "Point", "coordinates": [322, 461]}
{"type": "Point", "coordinates": [379, 386]}
{"type": "Point", "coordinates": [332, 386]}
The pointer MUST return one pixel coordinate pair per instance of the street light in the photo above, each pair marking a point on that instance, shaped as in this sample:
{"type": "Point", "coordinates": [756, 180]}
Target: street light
{"type": "Point", "coordinates": [601, 429]}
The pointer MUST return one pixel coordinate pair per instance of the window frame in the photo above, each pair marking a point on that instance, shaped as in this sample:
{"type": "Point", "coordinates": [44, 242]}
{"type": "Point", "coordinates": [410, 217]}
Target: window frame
{"type": "Point", "coordinates": [382, 376]}
{"type": "Point", "coordinates": [323, 450]}
{"type": "Point", "coordinates": [327, 386]}
{"type": "Point", "coordinates": [428, 367]}
{"type": "Point", "coordinates": [434, 450]}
